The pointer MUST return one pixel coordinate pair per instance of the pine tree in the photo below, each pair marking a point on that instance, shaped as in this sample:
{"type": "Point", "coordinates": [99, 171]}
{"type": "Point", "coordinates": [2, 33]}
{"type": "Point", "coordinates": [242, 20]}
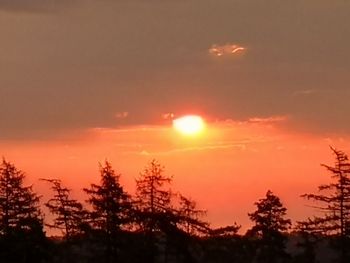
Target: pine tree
{"type": "Point", "coordinates": [19, 205]}
{"type": "Point", "coordinates": [111, 204]}
{"type": "Point", "coordinates": [111, 207]}
{"type": "Point", "coordinates": [334, 203]}
{"type": "Point", "coordinates": [69, 213]}
{"type": "Point", "coordinates": [270, 224]}
{"type": "Point", "coordinates": [190, 217]}
{"type": "Point", "coordinates": [154, 210]}
{"type": "Point", "coordinates": [22, 238]}
{"type": "Point", "coordinates": [153, 200]}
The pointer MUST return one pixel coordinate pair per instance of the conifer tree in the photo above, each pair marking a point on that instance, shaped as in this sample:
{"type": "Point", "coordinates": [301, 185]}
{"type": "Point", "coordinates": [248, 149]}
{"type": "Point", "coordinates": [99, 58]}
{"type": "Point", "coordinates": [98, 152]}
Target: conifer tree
{"type": "Point", "coordinates": [22, 238]}
{"type": "Point", "coordinates": [269, 225]}
{"type": "Point", "coordinates": [154, 210]}
{"type": "Point", "coordinates": [111, 208]}
{"type": "Point", "coordinates": [190, 218]}
{"type": "Point", "coordinates": [153, 196]}
{"type": "Point", "coordinates": [69, 213]}
{"type": "Point", "coordinates": [111, 204]}
{"type": "Point", "coordinates": [334, 202]}
{"type": "Point", "coordinates": [19, 205]}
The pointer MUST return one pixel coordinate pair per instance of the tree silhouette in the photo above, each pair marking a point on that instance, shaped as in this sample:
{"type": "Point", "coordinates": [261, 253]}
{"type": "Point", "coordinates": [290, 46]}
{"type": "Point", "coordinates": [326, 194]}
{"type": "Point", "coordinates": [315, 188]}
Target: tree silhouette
{"type": "Point", "coordinates": [308, 238]}
{"type": "Point", "coordinates": [334, 204]}
{"type": "Point", "coordinates": [190, 217]}
{"type": "Point", "coordinates": [270, 223]}
{"type": "Point", "coordinates": [68, 212]}
{"type": "Point", "coordinates": [227, 231]}
{"type": "Point", "coordinates": [111, 207]}
{"type": "Point", "coordinates": [159, 226]}
{"type": "Point", "coordinates": [154, 209]}
{"type": "Point", "coordinates": [21, 223]}
{"type": "Point", "coordinates": [18, 203]}
{"type": "Point", "coordinates": [183, 227]}
{"type": "Point", "coordinates": [225, 245]}
{"type": "Point", "coordinates": [152, 199]}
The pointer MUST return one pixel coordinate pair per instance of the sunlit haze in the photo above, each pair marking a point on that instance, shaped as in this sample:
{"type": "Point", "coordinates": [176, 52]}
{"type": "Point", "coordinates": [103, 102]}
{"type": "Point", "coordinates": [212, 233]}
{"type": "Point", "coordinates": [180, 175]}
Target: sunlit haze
{"type": "Point", "coordinates": [189, 125]}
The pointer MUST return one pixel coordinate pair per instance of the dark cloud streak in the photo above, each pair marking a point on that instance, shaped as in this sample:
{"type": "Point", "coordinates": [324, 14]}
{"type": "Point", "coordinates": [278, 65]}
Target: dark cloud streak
{"type": "Point", "coordinates": [35, 6]}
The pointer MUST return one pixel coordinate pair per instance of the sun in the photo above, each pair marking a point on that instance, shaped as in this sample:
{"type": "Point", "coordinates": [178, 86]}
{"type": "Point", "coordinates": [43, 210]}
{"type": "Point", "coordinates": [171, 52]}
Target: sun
{"type": "Point", "coordinates": [189, 124]}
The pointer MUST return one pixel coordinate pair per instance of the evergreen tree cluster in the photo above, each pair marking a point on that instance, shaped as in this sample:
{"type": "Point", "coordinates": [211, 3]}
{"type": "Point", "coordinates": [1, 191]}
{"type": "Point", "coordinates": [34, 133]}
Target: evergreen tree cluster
{"type": "Point", "coordinates": [159, 225]}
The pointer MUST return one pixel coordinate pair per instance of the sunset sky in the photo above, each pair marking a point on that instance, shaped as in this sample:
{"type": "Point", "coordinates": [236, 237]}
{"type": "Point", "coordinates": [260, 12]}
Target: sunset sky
{"type": "Point", "coordinates": [82, 81]}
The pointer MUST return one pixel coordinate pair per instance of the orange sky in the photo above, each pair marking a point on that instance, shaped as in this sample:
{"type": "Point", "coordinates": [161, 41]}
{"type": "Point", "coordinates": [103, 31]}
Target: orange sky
{"type": "Point", "coordinates": [225, 170]}
{"type": "Point", "coordinates": [278, 70]}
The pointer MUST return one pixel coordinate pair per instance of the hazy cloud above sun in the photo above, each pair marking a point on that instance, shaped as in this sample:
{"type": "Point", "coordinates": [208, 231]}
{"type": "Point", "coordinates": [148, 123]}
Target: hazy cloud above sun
{"type": "Point", "coordinates": [84, 62]}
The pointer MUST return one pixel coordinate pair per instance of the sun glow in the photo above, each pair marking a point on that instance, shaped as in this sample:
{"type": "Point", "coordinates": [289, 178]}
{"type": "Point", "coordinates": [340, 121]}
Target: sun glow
{"type": "Point", "coordinates": [189, 125]}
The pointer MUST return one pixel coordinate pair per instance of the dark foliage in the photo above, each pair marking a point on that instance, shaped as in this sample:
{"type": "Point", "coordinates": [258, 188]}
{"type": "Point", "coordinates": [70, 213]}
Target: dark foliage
{"type": "Point", "coordinates": [268, 230]}
{"type": "Point", "coordinates": [69, 213]}
{"type": "Point", "coordinates": [157, 226]}
{"type": "Point", "coordinates": [111, 210]}
{"type": "Point", "coordinates": [21, 226]}
{"type": "Point", "coordinates": [334, 203]}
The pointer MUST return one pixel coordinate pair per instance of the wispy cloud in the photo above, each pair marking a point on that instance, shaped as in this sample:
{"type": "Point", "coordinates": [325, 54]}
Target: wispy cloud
{"type": "Point", "coordinates": [168, 116]}
{"type": "Point", "coordinates": [271, 119]}
{"type": "Point", "coordinates": [122, 115]}
{"type": "Point", "coordinates": [238, 146]}
{"type": "Point", "coordinates": [227, 49]}
{"type": "Point", "coordinates": [304, 92]}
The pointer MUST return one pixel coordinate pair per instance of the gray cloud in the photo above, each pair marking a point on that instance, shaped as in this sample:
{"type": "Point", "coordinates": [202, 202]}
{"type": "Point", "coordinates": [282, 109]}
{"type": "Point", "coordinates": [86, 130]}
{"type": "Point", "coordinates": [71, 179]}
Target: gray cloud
{"type": "Point", "coordinates": [77, 69]}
